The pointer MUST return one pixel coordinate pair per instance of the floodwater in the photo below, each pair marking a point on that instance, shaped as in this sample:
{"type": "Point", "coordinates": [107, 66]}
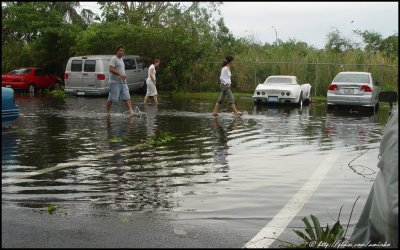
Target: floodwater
{"type": "Point", "coordinates": [218, 168]}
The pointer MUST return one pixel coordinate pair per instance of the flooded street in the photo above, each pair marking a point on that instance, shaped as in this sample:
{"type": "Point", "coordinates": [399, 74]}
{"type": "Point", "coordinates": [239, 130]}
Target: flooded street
{"type": "Point", "coordinates": [229, 174]}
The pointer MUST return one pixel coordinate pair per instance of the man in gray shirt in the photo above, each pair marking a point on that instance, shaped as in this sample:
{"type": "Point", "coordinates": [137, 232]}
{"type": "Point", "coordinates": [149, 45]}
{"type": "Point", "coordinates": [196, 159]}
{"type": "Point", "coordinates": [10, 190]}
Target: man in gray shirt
{"type": "Point", "coordinates": [118, 88]}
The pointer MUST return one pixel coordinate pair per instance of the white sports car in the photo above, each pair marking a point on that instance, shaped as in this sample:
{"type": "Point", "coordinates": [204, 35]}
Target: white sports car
{"type": "Point", "coordinates": [283, 90]}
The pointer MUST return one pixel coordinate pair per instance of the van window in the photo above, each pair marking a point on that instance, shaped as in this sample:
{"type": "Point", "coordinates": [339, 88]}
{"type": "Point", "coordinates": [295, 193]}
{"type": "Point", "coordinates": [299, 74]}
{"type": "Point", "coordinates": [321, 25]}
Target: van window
{"type": "Point", "coordinates": [129, 63]}
{"type": "Point", "coordinates": [76, 65]}
{"type": "Point", "coordinates": [90, 66]}
{"type": "Point", "coordinates": [140, 63]}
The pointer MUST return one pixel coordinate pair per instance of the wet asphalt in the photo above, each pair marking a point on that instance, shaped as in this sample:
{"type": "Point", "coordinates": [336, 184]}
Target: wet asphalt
{"type": "Point", "coordinates": [27, 228]}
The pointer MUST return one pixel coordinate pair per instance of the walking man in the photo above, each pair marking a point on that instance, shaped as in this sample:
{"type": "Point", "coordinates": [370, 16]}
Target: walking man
{"type": "Point", "coordinates": [118, 88]}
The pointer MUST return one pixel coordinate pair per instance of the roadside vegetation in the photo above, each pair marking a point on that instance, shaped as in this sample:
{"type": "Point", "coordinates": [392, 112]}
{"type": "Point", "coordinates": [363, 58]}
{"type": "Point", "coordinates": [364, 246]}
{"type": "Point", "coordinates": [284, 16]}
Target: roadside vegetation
{"type": "Point", "coordinates": [190, 39]}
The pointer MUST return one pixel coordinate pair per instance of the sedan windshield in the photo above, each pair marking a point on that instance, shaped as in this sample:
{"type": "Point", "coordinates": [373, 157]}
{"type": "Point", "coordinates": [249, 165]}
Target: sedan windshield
{"type": "Point", "coordinates": [20, 71]}
{"type": "Point", "coordinates": [358, 78]}
{"type": "Point", "coordinates": [279, 80]}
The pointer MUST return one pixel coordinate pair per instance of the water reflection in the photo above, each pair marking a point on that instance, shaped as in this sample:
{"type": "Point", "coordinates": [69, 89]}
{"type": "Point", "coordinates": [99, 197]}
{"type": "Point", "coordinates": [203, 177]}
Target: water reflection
{"type": "Point", "coordinates": [222, 146]}
{"type": "Point", "coordinates": [209, 156]}
{"type": "Point", "coordinates": [151, 118]}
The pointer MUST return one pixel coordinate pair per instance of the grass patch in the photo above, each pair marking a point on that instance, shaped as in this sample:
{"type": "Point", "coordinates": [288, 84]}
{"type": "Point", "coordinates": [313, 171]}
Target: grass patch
{"type": "Point", "coordinates": [214, 96]}
{"type": "Point", "coordinates": [318, 99]}
{"type": "Point", "coordinates": [160, 138]}
{"type": "Point", "coordinates": [205, 95]}
{"type": "Point", "coordinates": [58, 93]}
{"type": "Point", "coordinates": [118, 139]}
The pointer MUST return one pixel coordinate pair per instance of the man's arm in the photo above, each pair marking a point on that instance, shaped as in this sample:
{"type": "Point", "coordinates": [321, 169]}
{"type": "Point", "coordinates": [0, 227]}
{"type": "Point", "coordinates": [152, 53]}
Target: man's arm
{"type": "Point", "coordinates": [114, 71]}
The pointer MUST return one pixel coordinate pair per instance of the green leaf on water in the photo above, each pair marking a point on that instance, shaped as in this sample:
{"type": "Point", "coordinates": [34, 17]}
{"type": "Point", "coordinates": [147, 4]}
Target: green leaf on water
{"type": "Point", "coordinates": [51, 208]}
{"type": "Point", "coordinates": [118, 139]}
{"type": "Point", "coordinates": [160, 137]}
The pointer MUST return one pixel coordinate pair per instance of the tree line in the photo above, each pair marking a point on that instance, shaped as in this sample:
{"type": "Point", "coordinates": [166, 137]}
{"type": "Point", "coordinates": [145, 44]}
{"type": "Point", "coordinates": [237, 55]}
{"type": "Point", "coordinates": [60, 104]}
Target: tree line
{"type": "Point", "coordinates": [191, 39]}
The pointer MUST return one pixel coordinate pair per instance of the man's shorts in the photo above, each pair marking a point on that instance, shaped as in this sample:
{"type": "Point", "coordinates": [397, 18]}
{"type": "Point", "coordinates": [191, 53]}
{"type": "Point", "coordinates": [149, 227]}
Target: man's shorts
{"type": "Point", "coordinates": [226, 91]}
{"type": "Point", "coordinates": [118, 91]}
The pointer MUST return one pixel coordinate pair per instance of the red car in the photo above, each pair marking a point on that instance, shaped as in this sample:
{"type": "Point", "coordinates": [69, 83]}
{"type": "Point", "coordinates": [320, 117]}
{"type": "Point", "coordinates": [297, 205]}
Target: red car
{"type": "Point", "coordinates": [31, 79]}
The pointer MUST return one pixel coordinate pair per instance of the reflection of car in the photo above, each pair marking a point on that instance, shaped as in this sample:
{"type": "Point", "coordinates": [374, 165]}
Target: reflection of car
{"type": "Point", "coordinates": [9, 110]}
{"type": "Point", "coordinates": [282, 89]}
{"type": "Point", "coordinates": [31, 79]}
{"type": "Point", "coordinates": [353, 89]}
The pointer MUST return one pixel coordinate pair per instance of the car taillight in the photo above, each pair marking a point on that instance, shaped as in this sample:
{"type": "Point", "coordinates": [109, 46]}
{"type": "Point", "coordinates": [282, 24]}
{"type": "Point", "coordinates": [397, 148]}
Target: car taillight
{"type": "Point", "coordinates": [282, 93]}
{"type": "Point", "coordinates": [258, 93]}
{"type": "Point", "coordinates": [288, 93]}
{"type": "Point", "coordinates": [263, 93]}
{"type": "Point", "coordinates": [332, 87]}
{"type": "Point", "coordinates": [65, 76]}
{"type": "Point", "coordinates": [366, 88]}
{"type": "Point", "coordinates": [101, 77]}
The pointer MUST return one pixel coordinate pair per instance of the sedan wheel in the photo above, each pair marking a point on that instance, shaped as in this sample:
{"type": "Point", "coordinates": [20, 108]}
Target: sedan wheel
{"type": "Point", "coordinates": [57, 85]}
{"type": "Point", "coordinates": [300, 103]}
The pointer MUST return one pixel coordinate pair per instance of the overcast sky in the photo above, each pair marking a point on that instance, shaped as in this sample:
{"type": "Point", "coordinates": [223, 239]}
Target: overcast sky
{"type": "Point", "coordinates": [309, 22]}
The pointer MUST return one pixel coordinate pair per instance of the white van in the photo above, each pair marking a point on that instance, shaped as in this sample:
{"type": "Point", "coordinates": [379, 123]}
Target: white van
{"type": "Point", "coordinates": [89, 75]}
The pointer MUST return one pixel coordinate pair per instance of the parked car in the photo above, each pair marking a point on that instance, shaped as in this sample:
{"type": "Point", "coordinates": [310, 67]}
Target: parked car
{"type": "Point", "coordinates": [282, 89]}
{"type": "Point", "coordinates": [31, 79]}
{"type": "Point", "coordinates": [9, 110]}
{"type": "Point", "coordinates": [89, 75]}
{"type": "Point", "coordinates": [353, 89]}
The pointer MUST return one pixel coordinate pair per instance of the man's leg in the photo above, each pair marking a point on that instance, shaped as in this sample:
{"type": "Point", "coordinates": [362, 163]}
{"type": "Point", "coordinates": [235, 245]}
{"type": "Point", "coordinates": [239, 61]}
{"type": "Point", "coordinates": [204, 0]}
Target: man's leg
{"type": "Point", "coordinates": [231, 101]}
{"type": "Point", "coordinates": [216, 109]}
{"type": "Point", "coordinates": [129, 106]}
{"type": "Point", "coordinates": [109, 103]}
{"type": "Point", "coordinates": [127, 98]}
{"type": "Point", "coordinates": [220, 101]}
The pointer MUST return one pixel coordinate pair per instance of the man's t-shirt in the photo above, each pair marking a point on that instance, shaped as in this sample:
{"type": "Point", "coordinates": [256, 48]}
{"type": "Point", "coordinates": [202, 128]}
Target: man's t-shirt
{"type": "Point", "coordinates": [119, 65]}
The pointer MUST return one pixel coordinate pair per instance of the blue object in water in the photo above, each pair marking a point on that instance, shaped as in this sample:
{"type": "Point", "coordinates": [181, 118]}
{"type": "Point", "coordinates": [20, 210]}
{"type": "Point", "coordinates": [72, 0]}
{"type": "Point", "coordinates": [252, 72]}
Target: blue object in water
{"type": "Point", "coordinates": [9, 110]}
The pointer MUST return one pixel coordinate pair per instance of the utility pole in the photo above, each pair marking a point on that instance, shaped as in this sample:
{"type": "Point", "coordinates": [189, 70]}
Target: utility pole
{"type": "Point", "coordinates": [276, 36]}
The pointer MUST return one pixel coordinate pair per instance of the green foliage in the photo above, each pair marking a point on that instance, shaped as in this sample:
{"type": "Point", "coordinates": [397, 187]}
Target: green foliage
{"type": "Point", "coordinates": [118, 139]}
{"type": "Point", "coordinates": [39, 33]}
{"type": "Point", "coordinates": [372, 39]}
{"type": "Point", "coordinates": [313, 236]}
{"type": "Point", "coordinates": [51, 208]}
{"type": "Point", "coordinates": [337, 43]}
{"type": "Point", "coordinates": [189, 41]}
{"type": "Point", "coordinates": [160, 138]}
{"type": "Point", "coordinates": [58, 93]}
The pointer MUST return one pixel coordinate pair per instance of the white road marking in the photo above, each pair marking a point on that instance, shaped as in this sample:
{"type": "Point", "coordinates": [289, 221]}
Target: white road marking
{"type": "Point", "coordinates": [78, 162]}
{"type": "Point", "coordinates": [278, 224]}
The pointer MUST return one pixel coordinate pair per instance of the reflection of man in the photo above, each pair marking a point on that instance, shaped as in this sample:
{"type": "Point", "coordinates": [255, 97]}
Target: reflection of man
{"type": "Point", "coordinates": [119, 130]}
{"type": "Point", "coordinates": [222, 150]}
{"type": "Point", "coordinates": [378, 222]}
{"type": "Point", "coordinates": [151, 114]}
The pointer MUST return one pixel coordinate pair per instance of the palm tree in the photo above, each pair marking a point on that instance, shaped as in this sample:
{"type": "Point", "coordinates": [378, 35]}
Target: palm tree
{"type": "Point", "coordinates": [68, 10]}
